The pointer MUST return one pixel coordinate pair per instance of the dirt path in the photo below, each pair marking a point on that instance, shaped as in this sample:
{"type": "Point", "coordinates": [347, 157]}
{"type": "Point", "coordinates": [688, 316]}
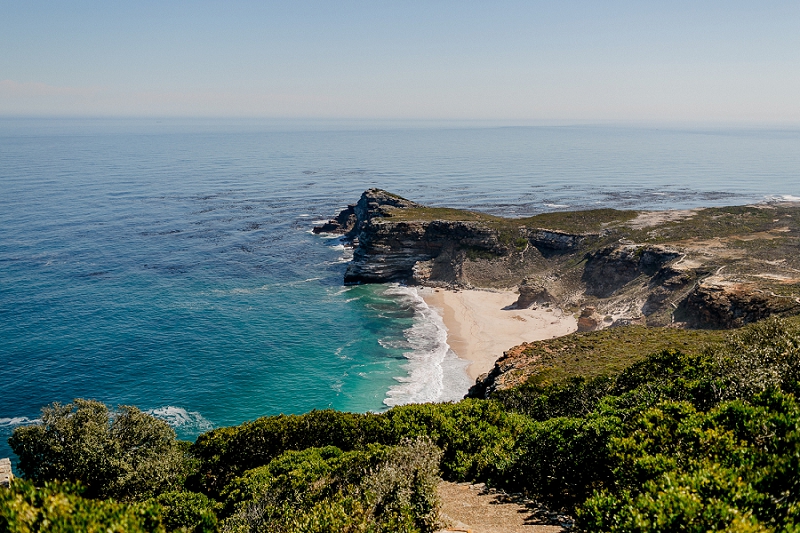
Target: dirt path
{"type": "Point", "coordinates": [476, 509]}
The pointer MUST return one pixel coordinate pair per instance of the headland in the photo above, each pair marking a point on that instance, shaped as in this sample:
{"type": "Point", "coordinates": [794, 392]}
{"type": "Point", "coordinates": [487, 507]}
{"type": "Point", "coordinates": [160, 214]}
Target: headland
{"type": "Point", "coordinates": [501, 282]}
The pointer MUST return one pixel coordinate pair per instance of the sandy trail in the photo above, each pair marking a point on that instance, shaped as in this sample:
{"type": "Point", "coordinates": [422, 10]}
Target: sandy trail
{"type": "Point", "coordinates": [474, 509]}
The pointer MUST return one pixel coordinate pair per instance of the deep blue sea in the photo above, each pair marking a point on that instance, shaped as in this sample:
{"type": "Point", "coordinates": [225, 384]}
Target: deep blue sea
{"type": "Point", "coordinates": [169, 264]}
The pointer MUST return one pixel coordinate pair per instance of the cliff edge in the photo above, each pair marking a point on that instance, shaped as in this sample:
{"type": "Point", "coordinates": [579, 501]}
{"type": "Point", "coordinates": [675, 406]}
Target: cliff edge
{"type": "Point", "coordinates": [704, 268]}
{"type": "Point", "coordinates": [713, 268]}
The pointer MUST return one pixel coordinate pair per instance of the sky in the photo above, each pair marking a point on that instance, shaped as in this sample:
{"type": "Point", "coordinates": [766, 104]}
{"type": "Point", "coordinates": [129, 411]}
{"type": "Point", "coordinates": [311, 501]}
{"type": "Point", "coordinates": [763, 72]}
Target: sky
{"type": "Point", "coordinates": [605, 60]}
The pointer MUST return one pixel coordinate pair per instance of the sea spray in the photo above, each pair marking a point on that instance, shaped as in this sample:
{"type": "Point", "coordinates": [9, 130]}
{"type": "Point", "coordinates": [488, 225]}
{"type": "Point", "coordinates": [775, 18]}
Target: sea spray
{"type": "Point", "coordinates": [434, 372]}
{"type": "Point", "coordinates": [181, 420]}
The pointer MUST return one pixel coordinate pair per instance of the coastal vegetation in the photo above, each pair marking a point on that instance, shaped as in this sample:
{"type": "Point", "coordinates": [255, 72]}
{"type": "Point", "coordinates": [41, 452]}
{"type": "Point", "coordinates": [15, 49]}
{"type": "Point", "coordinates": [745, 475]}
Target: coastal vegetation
{"type": "Point", "coordinates": [631, 428]}
{"type": "Point", "coordinates": [593, 220]}
{"type": "Point", "coordinates": [699, 433]}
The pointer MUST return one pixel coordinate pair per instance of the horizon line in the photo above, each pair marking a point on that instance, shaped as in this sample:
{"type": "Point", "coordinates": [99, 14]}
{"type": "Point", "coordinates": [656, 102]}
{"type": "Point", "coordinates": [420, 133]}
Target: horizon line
{"type": "Point", "coordinates": [488, 122]}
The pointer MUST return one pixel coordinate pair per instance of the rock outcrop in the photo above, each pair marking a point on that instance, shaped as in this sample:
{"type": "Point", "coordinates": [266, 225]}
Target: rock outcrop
{"type": "Point", "coordinates": [611, 268]}
{"type": "Point", "coordinates": [557, 241]}
{"type": "Point", "coordinates": [342, 224]}
{"type": "Point", "coordinates": [5, 472]}
{"type": "Point", "coordinates": [719, 304]}
{"type": "Point", "coordinates": [501, 376]}
{"type": "Point", "coordinates": [389, 248]}
{"type": "Point", "coordinates": [589, 320]}
{"type": "Point", "coordinates": [533, 292]}
{"type": "Point", "coordinates": [630, 267]}
{"type": "Point", "coordinates": [372, 204]}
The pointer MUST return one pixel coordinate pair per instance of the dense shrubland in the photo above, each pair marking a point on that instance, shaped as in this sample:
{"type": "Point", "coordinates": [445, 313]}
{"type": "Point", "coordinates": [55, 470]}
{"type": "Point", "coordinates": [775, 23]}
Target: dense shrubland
{"type": "Point", "coordinates": [708, 440]}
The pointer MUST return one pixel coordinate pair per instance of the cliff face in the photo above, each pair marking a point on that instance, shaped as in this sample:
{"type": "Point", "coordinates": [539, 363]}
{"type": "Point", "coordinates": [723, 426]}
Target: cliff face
{"type": "Point", "coordinates": [612, 267]}
{"type": "Point", "coordinates": [417, 251]}
{"type": "Point", "coordinates": [412, 251]}
{"type": "Point", "coordinates": [717, 303]}
{"type": "Point", "coordinates": [651, 268]}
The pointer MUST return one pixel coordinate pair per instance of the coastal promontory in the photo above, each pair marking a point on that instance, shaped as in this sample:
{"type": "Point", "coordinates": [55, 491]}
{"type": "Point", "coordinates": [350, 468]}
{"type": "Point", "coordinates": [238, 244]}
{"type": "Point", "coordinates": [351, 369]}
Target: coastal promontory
{"type": "Point", "coordinates": [701, 268]}
{"type": "Point", "coordinates": [650, 273]}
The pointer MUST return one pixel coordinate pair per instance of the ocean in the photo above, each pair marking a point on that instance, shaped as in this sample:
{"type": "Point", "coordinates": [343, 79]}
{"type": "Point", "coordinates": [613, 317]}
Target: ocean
{"type": "Point", "coordinates": [169, 264]}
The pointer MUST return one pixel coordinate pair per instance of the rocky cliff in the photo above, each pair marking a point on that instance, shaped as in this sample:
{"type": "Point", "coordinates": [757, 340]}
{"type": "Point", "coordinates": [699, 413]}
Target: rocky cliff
{"type": "Point", "coordinates": [706, 268]}
{"type": "Point", "coordinates": [6, 476]}
{"type": "Point", "coordinates": [710, 268]}
{"type": "Point", "coordinates": [399, 240]}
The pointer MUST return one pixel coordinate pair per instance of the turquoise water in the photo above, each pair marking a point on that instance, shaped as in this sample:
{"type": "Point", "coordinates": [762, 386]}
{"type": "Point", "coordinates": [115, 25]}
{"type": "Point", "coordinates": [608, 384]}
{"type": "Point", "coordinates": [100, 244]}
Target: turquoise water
{"type": "Point", "coordinates": [170, 264]}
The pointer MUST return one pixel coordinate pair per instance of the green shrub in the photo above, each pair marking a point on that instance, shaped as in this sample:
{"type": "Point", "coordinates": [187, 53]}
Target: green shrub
{"type": "Point", "coordinates": [59, 508]}
{"type": "Point", "coordinates": [127, 455]}
{"type": "Point", "coordinates": [562, 460]}
{"type": "Point", "coordinates": [736, 467]}
{"type": "Point", "coordinates": [227, 452]}
{"type": "Point", "coordinates": [296, 470]}
{"type": "Point", "coordinates": [757, 357]}
{"type": "Point", "coordinates": [324, 489]}
{"type": "Point", "coordinates": [187, 511]}
{"type": "Point", "coordinates": [475, 435]}
{"type": "Point", "coordinates": [577, 396]}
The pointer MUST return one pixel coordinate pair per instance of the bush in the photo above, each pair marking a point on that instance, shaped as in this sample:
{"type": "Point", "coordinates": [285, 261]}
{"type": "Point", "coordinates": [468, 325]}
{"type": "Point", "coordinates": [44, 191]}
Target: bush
{"type": "Point", "coordinates": [760, 356]}
{"type": "Point", "coordinates": [187, 511]}
{"type": "Point", "coordinates": [734, 468]}
{"type": "Point", "coordinates": [296, 470]}
{"type": "Point", "coordinates": [227, 452]}
{"type": "Point", "coordinates": [577, 396]}
{"type": "Point", "coordinates": [380, 489]}
{"type": "Point", "coordinates": [563, 459]}
{"type": "Point", "coordinates": [59, 508]}
{"type": "Point", "coordinates": [476, 437]}
{"type": "Point", "coordinates": [127, 455]}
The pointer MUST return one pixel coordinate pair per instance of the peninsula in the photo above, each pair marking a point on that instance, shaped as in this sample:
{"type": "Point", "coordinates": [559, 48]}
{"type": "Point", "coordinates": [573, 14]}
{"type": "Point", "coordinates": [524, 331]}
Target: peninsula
{"type": "Point", "coordinates": [501, 282]}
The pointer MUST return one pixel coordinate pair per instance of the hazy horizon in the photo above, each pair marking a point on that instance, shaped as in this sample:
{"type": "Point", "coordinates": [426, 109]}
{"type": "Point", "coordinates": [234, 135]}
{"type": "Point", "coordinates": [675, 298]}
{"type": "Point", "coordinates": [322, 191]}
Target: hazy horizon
{"type": "Point", "coordinates": [508, 62]}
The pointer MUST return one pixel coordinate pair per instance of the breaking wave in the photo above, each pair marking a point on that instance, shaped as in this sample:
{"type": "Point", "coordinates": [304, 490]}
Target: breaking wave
{"type": "Point", "coordinates": [180, 418]}
{"type": "Point", "coordinates": [434, 371]}
{"type": "Point", "coordinates": [18, 421]}
{"type": "Point", "coordinates": [783, 198]}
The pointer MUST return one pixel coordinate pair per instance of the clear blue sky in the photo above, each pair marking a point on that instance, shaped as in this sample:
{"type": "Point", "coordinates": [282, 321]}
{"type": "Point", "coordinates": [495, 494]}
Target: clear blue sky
{"type": "Point", "coordinates": [557, 60]}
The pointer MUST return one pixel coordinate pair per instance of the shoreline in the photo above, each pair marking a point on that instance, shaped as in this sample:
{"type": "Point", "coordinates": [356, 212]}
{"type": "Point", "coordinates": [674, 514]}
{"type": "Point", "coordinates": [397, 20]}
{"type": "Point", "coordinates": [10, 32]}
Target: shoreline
{"type": "Point", "coordinates": [481, 325]}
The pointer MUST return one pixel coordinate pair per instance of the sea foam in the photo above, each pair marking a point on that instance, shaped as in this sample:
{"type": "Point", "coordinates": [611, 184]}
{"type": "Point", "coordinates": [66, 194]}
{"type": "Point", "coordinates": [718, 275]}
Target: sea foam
{"type": "Point", "coordinates": [180, 418]}
{"type": "Point", "coordinates": [434, 371]}
{"type": "Point", "coordinates": [783, 198]}
{"type": "Point", "coordinates": [18, 421]}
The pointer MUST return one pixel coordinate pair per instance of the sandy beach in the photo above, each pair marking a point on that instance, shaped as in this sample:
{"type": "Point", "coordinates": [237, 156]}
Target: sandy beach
{"type": "Point", "coordinates": [481, 325]}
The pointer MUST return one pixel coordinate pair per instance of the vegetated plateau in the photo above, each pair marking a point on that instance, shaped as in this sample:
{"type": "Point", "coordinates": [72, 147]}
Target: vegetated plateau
{"type": "Point", "coordinates": [637, 427]}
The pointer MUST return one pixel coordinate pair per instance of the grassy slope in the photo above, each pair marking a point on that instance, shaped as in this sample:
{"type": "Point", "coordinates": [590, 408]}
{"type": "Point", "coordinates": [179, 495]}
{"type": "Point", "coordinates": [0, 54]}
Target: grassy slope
{"type": "Point", "coordinates": [703, 224]}
{"type": "Point", "coordinates": [605, 352]}
{"type": "Point", "coordinates": [608, 351]}
{"type": "Point", "coordinates": [568, 221]}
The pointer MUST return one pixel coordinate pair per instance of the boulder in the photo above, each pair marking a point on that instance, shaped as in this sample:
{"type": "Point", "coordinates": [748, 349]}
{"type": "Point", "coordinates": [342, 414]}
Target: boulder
{"type": "Point", "coordinates": [533, 292]}
{"type": "Point", "coordinates": [589, 319]}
